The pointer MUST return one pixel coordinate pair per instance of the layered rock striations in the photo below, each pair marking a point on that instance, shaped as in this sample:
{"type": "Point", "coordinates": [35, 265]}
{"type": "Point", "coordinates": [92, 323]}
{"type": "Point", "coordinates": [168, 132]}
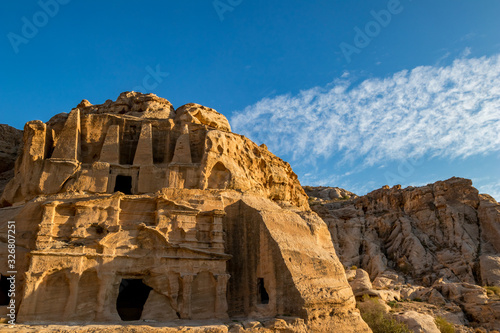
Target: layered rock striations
{"type": "Point", "coordinates": [10, 146]}
{"type": "Point", "coordinates": [142, 139]}
{"type": "Point", "coordinates": [439, 242]}
{"type": "Point", "coordinates": [132, 210]}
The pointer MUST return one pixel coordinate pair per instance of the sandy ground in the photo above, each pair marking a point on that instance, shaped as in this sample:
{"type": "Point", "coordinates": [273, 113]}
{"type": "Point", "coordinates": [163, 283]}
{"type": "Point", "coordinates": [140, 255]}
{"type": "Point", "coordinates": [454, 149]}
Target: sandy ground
{"type": "Point", "coordinates": [192, 327]}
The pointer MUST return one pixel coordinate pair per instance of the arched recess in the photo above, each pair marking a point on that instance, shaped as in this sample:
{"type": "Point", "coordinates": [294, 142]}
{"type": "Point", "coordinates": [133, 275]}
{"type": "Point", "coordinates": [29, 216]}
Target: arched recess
{"type": "Point", "coordinates": [203, 295]}
{"type": "Point", "coordinates": [52, 297]}
{"type": "Point", "coordinates": [220, 177]}
{"type": "Point", "coordinates": [88, 289]}
{"type": "Point", "coordinates": [132, 296]}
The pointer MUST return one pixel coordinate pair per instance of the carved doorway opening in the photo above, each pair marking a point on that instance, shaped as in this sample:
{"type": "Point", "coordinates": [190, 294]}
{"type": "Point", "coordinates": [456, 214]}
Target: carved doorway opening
{"type": "Point", "coordinates": [262, 296]}
{"type": "Point", "coordinates": [131, 299]}
{"type": "Point", "coordinates": [4, 291]}
{"type": "Point", "coordinates": [123, 184]}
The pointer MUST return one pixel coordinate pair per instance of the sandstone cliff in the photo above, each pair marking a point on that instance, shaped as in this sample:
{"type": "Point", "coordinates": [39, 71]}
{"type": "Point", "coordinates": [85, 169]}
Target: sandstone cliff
{"type": "Point", "coordinates": [439, 242]}
{"type": "Point", "coordinates": [192, 147]}
{"type": "Point", "coordinates": [10, 147]}
{"type": "Point", "coordinates": [132, 210]}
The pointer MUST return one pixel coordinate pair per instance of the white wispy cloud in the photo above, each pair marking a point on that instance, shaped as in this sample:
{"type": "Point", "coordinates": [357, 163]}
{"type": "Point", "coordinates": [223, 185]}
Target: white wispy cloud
{"type": "Point", "coordinates": [489, 186]}
{"type": "Point", "coordinates": [449, 111]}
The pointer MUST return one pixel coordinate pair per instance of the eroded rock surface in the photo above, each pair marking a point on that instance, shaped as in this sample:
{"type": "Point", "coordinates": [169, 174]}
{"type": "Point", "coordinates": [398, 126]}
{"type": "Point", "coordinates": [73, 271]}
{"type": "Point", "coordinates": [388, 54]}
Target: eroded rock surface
{"type": "Point", "coordinates": [10, 147]}
{"type": "Point", "coordinates": [438, 243]}
{"type": "Point", "coordinates": [323, 194]}
{"type": "Point", "coordinates": [131, 210]}
{"type": "Point", "coordinates": [140, 139]}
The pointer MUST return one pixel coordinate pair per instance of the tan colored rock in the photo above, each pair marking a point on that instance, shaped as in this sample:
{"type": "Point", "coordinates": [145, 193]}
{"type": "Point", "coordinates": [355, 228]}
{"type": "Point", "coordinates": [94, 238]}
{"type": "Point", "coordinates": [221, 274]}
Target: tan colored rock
{"type": "Point", "coordinates": [10, 146]}
{"type": "Point", "coordinates": [444, 230]}
{"type": "Point", "coordinates": [249, 324]}
{"type": "Point", "coordinates": [361, 285]}
{"type": "Point", "coordinates": [10, 143]}
{"type": "Point", "coordinates": [328, 193]}
{"type": "Point", "coordinates": [199, 114]}
{"type": "Point", "coordinates": [474, 302]}
{"type": "Point", "coordinates": [146, 154]}
{"type": "Point", "coordinates": [350, 274]}
{"type": "Point", "coordinates": [382, 282]}
{"type": "Point", "coordinates": [134, 104]}
{"type": "Point", "coordinates": [361, 282]}
{"type": "Point", "coordinates": [128, 211]}
{"type": "Point", "coordinates": [436, 298]}
{"type": "Point", "coordinates": [490, 269]}
{"type": "Point", "coordinates": [418, 322]}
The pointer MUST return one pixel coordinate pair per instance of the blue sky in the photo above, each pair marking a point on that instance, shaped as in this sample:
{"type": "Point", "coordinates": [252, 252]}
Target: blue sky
{"type": "Point", "coordinates": [355, 94]}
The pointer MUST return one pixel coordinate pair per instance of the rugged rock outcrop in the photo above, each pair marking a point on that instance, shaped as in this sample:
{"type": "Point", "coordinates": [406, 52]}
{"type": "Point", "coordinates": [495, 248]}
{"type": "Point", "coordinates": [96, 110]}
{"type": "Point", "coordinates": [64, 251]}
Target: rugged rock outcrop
{"type": "Point", "coordinates": [437, 243]}
{"type": "Point", "coordinates": [322, 194]}
{"type": "Point", "coordinates": [10, 147]}
{"type": "Point", "coordinates": [131, 210]}
{"type": "Point", "coordinates": [141, 139]}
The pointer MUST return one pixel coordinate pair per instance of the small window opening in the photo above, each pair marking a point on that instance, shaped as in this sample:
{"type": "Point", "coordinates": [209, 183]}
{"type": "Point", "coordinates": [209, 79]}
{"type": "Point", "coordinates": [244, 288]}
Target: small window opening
{"type": "Point", "coordinates": [263, 296]}
{"type": "Point", "coordinates": [131, 299]}
{"type": "Point", "coordinates": [4, 291]}
{"type": "Point", "coordinates": [123, 184]}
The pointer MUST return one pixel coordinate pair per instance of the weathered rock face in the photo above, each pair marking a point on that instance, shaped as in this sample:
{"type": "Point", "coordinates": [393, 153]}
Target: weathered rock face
{"type": "Point", "coordinates": [444, 237]}
{"type": "Point", "coordinates": [10, 146]}
{"type": "Point", "coordinates": [138, 144]}
{"type": "Point", "coordinates": [133, 211]}
{"type": "Point", "coordinates": [322, 194]}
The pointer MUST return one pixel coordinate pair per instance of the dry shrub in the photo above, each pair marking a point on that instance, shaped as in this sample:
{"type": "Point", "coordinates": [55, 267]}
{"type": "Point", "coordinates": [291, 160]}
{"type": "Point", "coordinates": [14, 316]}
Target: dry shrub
{"type": "Point", "coordinates": [373, 313]}
{"type": "Point", "coordinates": [444, 326]}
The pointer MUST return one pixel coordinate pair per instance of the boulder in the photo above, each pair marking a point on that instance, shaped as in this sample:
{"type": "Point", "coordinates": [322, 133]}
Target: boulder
{"type": "Point", "coordinates": [418, 322]}
{"type": "Point", "coordinates": [199, 114]}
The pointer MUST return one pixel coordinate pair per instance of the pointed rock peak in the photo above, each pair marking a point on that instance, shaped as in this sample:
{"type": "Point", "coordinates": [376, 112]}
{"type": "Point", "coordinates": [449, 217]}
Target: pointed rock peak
{"type": "Point", "coordinates": [84, 103]}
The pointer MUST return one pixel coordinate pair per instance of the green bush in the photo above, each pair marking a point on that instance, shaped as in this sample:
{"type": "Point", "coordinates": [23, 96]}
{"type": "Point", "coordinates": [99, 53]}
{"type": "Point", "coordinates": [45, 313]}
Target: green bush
{"type": "Point", "coordinates": [492, 290]}
{"type": "Point", "coordinates": [393, 304]}
{"type": "Point", "coordinates": [373, 313]}
{"type": "Point", "coordinates": [444, 326]}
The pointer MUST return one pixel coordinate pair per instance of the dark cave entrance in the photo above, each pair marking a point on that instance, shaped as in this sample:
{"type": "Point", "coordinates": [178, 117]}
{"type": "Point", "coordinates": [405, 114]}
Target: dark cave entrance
{"type": "Point", "coordinates": [4, 291]}
{"type": "Point", "coordinates": [123, 184]}
{"type": "Point", "coordinates": [131, 299]}
{"type": "Point", "coordinates": [263, 296]}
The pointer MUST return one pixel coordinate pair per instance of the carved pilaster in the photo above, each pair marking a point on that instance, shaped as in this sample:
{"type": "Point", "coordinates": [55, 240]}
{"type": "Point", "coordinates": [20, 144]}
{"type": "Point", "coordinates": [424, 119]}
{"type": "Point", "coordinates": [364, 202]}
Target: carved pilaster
{"type": "Point", "coordinates": [44, 237]}
{"type": "Point", "coordinates": [185, 307]}
{"type": "Point", "coordinates": [110, 152]}
{"type": "Point", "coordinates": [104, 304]}
{"type": "Point", "coordinates": [221, 299]}
{"type": "Point", "coordinates": [73, 279]}
{"type": "Point", "coordinates": [68, 146]}
{"type": "Point", "coordinates": [182, 153]}
{"type": "Point", "coordinates": [144, 152]}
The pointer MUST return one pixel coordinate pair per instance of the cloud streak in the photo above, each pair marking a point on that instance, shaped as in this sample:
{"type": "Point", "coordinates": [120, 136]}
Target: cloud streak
{"type": "Point", "coordinates": [450, 111]}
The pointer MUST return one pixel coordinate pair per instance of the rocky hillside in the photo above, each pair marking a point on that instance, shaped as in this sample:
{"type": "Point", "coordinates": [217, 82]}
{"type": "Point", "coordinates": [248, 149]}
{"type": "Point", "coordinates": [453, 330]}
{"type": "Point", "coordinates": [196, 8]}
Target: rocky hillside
{"type": "Point", "coordinates": [322, 194]}
{"type": "Point", "coordinates": [133, 211]}
{"type": "Point", "coordinates": [10, 145]}
{"type": "Point", "coordinates": [438, 243]}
